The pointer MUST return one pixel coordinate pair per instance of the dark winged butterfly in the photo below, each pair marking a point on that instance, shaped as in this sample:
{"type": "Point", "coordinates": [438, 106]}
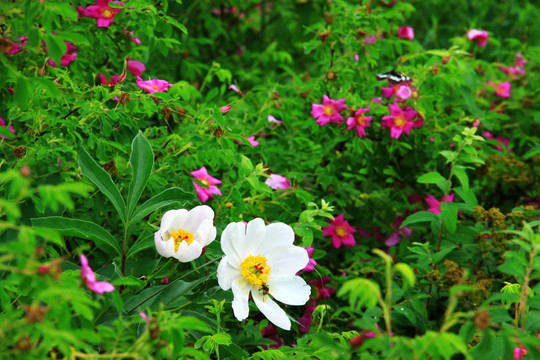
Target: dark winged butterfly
{"type": "Point", "coordinates": [394, 77]}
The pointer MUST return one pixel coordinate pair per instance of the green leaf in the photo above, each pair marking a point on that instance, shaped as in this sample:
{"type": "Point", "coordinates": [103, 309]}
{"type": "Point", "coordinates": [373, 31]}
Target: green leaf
{"type": "Point", "coordinates": [461, 174]}
{"type": "Point", "coordinates": [4, 131]}
{"type": "Point", "coordinates": [22, 92]}
{"type": "Point", "coordinates": [80, 228]}
{"type": "Point", "coordinates": [407, 273]}
{"type": "Point", "coordinates": [48, 85]}
{"type": "Point", "coordinates": [363, 292]}
{"type": "Point", "coordinates": [143, 243]}
{"type": "Point", "coordinates": [100, 178]}
{"type": "Point", "coordinates": [164, 198]}
{"type": "Point", "coordinates": [420, 216]}
{"type": "Point", "coordinates": [431, 178]}
{"type": "Point", "coordinates": [222, 339]}
{"type": "Point", "coordinates": [246, 167]}
{"type": "Point", "coordinates": [142, 161]}
{"type": "Point", "coordinates": [449, 215]}
{"type": "Point", "coordinates": [56, 47]}
{"type": "Point", "coordinates": [467, 196]}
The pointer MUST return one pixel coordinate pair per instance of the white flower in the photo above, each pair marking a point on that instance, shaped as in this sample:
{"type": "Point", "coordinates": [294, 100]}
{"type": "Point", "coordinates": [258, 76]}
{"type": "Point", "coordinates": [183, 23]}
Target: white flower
{"type": "Point", "coordinates": [183, 234]}
{"type": "Point", "coordinates": [263, 260]}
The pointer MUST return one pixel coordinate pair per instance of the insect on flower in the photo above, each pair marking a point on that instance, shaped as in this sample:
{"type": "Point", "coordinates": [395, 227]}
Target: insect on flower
{"type": "Point", "coordinates": [394, 77]}
{"type": "Point", "coordinates": [264, 288]}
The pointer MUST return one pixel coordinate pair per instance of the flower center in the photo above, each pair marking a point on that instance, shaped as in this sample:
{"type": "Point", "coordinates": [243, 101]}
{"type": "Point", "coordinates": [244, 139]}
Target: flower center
{"type": "Point", "coordinates": [255, 270]}
{"type": "Point", "coordinates": [341, 231]}
{"type": "Point", "coordinates": [107, 14]}
{"type": "Point", "coordinates": [361, 120]}
{"type": "Point", "coordinates": [205, 181]}
{"type": "Point", "coordinates": [155, 87]}
{"type": "Point", "coordinates": [181, 235]}
{"type": "Point", "coordinates": [328, 111]}
{"type": "Point", "coordinates": [399, 121]}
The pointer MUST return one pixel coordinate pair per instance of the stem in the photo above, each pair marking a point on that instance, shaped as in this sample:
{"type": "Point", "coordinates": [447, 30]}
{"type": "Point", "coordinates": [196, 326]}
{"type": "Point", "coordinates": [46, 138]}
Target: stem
{"type": "Point", "coordinates": [124, 257]}
{"type": "Point", "coordinates": [388, 307]}
{"type": "Point", "coordinates": [525, 291]}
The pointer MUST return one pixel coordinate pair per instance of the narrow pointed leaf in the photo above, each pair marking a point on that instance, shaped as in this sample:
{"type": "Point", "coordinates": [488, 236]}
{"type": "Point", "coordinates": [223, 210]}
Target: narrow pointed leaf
{"type": "Point", "coordinates": [164, 198]}
{"type": "Point", "coordinates": [142, 162]}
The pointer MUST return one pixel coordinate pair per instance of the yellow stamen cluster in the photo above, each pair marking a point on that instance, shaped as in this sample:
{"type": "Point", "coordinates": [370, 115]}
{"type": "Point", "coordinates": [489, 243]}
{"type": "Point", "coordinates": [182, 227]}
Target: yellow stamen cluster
{"type": "Point", "coordinates": [399, 122]}
{"type": "Point", "coordinates": [328, 111]}
{"type": "Point", "coordinates": [181, 235]}
{"type": "Point", "coordinates": [255, 270]}
{"type": "Point", "coordinates": [107, 13]}
{"type": "Point", "coordinates": [341, 231]}
{"type": "Point", "coordinates": [361, 120]}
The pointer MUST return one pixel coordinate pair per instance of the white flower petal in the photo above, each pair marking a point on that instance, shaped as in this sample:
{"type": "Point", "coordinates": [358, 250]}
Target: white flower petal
{"type": "Point", "coordinates": [255, 232]}
{"type": "Point", "coordinates": [168, 217]}
{"type": "Point", "coordinates": [196, 216]}
{"type": "Point", "coordinates": [160, 244]}
{"type": "Point", "coordinates": [186, 252]}
{"type": "Point", "coordinates": [290, 291]}
{"type": "Point", "coordinates": [276, 234]}
{"type": "Point", "coordinates": [286, 260]}
{"type": "Point", "coordinates": [233, 241]}
{"type": "Point", "coordinates": [226, 274]}
{"type": "Point", "coordinates": [241, 295]}
{"type": "Point", "coordinates": [271, 310]}
{"type": "Point", "coordinates": [179, 220]}
{"type": "Point", "coordinates": [206, 233]}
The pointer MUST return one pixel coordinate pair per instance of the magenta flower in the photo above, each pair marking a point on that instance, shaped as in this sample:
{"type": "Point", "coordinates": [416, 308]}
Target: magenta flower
{"type": "Point", "coordinates": [306, 319]}
{"type": "Point", "coordinates": [251, 140]}
{"type": "Point", "coordinates": [356, 57]}
{"type": "Point", "coordinates": [67, 58]}
{"type": "Point", "coordinates": [328, 111]}
{"type": "Point", "coordinates": [399, 121]}
{"type": "Point", "coordinates": [99, 287]}
{"type": "Point", "coordinates": [115, 79]}
{"type": "Point", "coordinates": [3, 124]}
{"type": "Point", "coordinates": [519, 62]}
{"type": "Point", "coordinates": [406, 33]}
{"type": "Point", "coordinates": [102, 12]}
{"type": "Point", "coordinates": [340, 231]}
{"type": "Point", "coordinates": [435, 205]}
{"type": "Point", "coordinates": [323, 292]}
{"type": "Point", "coordinates": [478, 36]}
{"type": "Point", "coordinates": [270, 332]}
{"type": "Point", "coordinates": [395, 237]}
{"type": "Point", "coordinates": [511, 71]}
{"type": "Point", "coordinates": [153, 85]}
{"type": "Point", "coordinates": [15, 47]}
{"type": "Point", "coordinates": [275, 122]}
{"type": "Point", "coordinates": [402, 91]}
{"type": "Point", "coordinates": [501, 90]}
{"type": "Point", "coordinates": [135, 67]}
{"type": "Point", "coordinates": [503, 141]}
{"type": "Point", "coordinates": [360, 121]}
{"type": "Point", "coordinates": [225, 109]}
{"type": "Point", "coordinates": [234, 88]}
{"type": "Point", "coordinates": [208, 191]}
{"type": "Point", "coordinates": [131, 36]}
{"type": "Point", "coordinates": [276, 181]}
{"type": "Point", "coordinates": [312, 263]}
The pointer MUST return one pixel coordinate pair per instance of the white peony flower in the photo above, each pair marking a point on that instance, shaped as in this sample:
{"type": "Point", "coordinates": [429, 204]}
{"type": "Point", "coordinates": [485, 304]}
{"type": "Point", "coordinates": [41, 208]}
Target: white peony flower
{"type": "Point", "coordinates": [263, 260]}
{"type": "Point", "coordinates": [183, 234]}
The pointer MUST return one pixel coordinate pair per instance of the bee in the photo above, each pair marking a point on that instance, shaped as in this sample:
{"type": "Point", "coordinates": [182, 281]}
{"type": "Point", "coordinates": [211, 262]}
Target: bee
{"type": "Point", "coordinates": [264, 288]}
{"type": "Point", "coordinates": [394, 77]}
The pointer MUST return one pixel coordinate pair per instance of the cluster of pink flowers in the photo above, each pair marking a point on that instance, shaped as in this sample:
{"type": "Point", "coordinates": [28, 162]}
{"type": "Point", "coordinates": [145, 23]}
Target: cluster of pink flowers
{"type": "Point", "coordinates": [517, 69]}
{"type": "Point", "coordinates": [67, 58]}
{"type": "Point", "coordinates": [101, 11]}
{"type": "Point", "coordinates": [89, 277]}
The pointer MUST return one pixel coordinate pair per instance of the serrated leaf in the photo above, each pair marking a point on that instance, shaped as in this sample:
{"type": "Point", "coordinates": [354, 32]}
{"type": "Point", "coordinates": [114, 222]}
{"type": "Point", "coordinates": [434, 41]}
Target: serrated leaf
{"type": "Point", "coordinates": [100, 178]}
{"type": "Point", "coordinates": [407, 272]}
{"type": "Point", "coordinates": [80, 228]}
{"type": "Point", "coordinates": [361, 292]}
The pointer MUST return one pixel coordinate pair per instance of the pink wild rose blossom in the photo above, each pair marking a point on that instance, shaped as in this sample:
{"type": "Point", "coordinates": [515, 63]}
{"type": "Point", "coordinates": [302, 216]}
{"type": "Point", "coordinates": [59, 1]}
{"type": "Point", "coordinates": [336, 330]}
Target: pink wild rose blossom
{"type": "Point", "coordinates": [395, 237]}
{"type": "Point", "coordinates": [15, 47]}
{"type": "Point", "coordinates": [402, 91]}
{"type": "Point", "coordinates": [328, 111]}
{"type": "Point", "coordinates": [225, 109]}
{"type": "Point", "coordinates": [323, 292]}
{"type": "Point", "coordinates": [99, 287]}
{"type": "Point", "coordinates": [251, 140]}
{"type": "Point", "coordinates": [136, 67]}
{"type": "Point", "coordinates": [406, 33]}
{"type": "Point", "coordinates": [480, 37]}
{"type": "Point", "coordinates": [360, 121]}
{"type": "Point", "coordinates": [203, 193]}
{"type": "Point", "coordinates": [501, 90]}
{"type": "Point", "coordinates": [503, 141]}
{"type": "Point", "coordinates": [276, 181]}
{"type": "Point", "coordinates": [115, 79]}
{"type": "Point", "coordinates": [274, 121]}
{"type": "Point", "coordinates": [132, 36]}
{"type": "Point", "coordinates": [153, 85]}
{"type": "Point", "coordinates": [399, 121]}
{"type": "Point", "coordinates": [435, 205]}
{"type": "Point", "coordinates": [340, 231]}
{"type": "Point", "coordinates": [3, 124]}
{"type": "Point", "coordinates": [306, 319]}
{"type": "Point", "coordinates": [102, 12]}
{"type": "Point", "coordinates": [67, 58]}
{"type": "Point", "coordinates": [312, 263]}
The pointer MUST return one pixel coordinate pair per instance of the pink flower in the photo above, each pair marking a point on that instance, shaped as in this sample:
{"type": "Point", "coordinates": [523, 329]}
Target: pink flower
{"type": "Point", "coordinates": [503, 141]}
{"type": "Point", "coordinates": [276, 181]}
{"type": "Point", "coordinates": [270, 332]}
{"type": "Point", "coordinates": [360, 121]}
{"type": "Point", "coordinates": [153, 85]}
{"type": "Point", "coordinates": [356, 57]}
{"type": "Point", "coordinates": [371, 39]}
{"type": "Point", "coordinates": [395, 237]}
{"type": "Point", "coordinates": [251, 140]}
{"type": "Point", "coordinates": [323, 292]}
{"type": "Point", "coordinates": [234, 88]}
{"type": "Point", "coordinates": [306, 319]}
{"type": "Point", "coordinates": [14, 47]}
{"type": "Point", "coordinates": [99, 287]}
{"type": "Point", "coordinates": [328, 111]}
{"type": "Point", "coordinates": [3, 124]}
{"type": "Point", "coordinates": [519, 352]}
{"type": "Point", "coordinates": [435, 205]}
{"type": "Point", "coordinates": [312, 263]}
{"type": "Point", "coordinates": [478, 36]}
{"type": "Point", "coordinates": [136, 67]}
{"type": "Point", "coordinates": [208, 191]}
{"type": "Point", "coordinates": [519, 62]}
{"type": "Point", "coordinates": [67, 58]}
{"type": "Point", "coordinates": [340, 231]}
{"type": "Point", "coordinates": [225, 109]}
{"type": "Point", "coordinates": [406, 33]}
{"type": "Point", "coordinates": [399, 120]}
{"type": "Point", "coordinates": [274, 121]}
{"type": "Point", "coordinates": [131, 36]}
{"type": "Point", "coordinates": [377, 100]}
{"type": "Point", "coordinates": [102, 12]}
{"type": "Point", "coordinates": [144, 317]}
{"type": "Point", "coordinates": [402, 91]}
{"type": "Point", "coordinates": [501, 90]}
{"type": "Point", "coordinates": [115, 79]}
{"type": "Point", "coordinates": [511, 71]}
